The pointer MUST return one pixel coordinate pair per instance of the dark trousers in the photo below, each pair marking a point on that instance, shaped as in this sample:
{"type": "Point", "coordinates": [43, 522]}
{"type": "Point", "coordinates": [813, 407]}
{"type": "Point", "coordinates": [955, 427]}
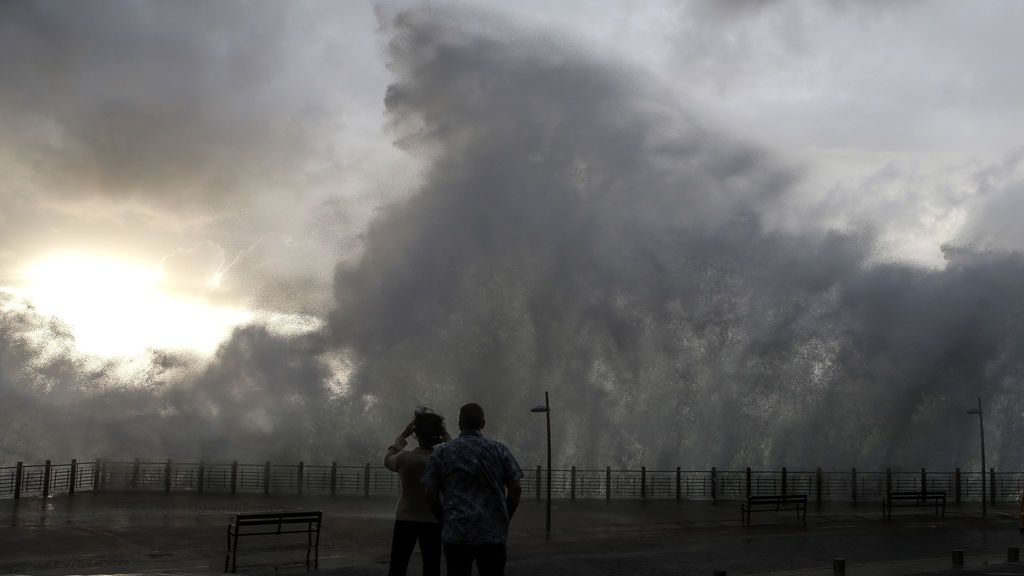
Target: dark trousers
{"type": "Point", "coordinates": [490, 559]}
{"type": "Point", "coordinates": [404, 539]}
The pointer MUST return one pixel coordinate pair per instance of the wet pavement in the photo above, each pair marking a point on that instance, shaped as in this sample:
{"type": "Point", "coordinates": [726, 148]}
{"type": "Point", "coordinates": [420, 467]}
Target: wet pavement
{"type": "Point", "coordinates": [151, 533]}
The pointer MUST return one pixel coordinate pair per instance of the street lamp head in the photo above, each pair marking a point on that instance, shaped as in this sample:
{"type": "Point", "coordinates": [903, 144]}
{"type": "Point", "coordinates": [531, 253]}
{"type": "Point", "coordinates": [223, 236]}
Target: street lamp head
{"type": "Point", "coordinates": [539, 409]}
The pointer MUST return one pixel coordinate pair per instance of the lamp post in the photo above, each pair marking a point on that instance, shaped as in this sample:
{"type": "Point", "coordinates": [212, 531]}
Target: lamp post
{"type": "Point", "coordinates": [546, 409]}
{"type": "Point", "coordinates": [981, 426]}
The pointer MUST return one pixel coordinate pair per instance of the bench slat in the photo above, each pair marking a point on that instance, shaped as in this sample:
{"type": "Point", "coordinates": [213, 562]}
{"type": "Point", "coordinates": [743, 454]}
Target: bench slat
{"type": "Point", "coordinates": [280, 515]}
{"type": "Point", "coordinates": [255, 522]}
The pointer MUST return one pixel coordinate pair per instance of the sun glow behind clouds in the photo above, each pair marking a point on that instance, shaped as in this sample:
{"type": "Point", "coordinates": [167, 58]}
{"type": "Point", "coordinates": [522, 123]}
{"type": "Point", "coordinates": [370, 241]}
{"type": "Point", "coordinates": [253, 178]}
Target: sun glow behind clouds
{"type": "Point", "coordinates": [118, 308]}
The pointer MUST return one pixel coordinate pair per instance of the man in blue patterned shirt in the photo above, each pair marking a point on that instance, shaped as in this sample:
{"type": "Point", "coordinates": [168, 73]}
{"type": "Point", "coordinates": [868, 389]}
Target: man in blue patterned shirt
{"type": "Point", "coordinates": [474, 484]}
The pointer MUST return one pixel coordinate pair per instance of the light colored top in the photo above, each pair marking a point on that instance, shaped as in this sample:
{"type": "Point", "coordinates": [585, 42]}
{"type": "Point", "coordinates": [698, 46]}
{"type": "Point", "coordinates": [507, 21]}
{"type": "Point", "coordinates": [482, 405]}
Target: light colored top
{"type": "Point", "coordinates": [413, 505]}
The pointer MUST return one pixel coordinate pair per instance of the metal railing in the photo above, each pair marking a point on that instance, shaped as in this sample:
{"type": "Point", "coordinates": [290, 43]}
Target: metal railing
{"type": "Point", "coordinates": [48, 479]}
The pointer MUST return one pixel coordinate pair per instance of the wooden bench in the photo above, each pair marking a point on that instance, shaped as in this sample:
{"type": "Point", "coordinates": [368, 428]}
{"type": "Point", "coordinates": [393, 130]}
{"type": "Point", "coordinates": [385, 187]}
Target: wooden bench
{"type": "Point", "coordinates": [265, 523]}
{"type": "Point", "coordinates": [775, 503]}
{"type": "Point", "coordinates": [914, 498]}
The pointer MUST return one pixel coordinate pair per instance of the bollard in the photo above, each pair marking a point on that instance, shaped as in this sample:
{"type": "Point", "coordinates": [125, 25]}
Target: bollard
{"type": "Point", "coordinates": [958, 558]}
{"type": "Point", "coordinates": [234, 476]}
{"type": "Point", "coordinates": [1013, 554]}
{"type": "Point", "coordinates": [46, 480]}
{"type": "Point", "coordinates": [334, 478]}
{"type": "Point", "coordinates": [73, 478]}
{"type": "Point", "coordinates": [839, 566]}
{"type": "Point", "coordinates": [302, 466]}
{"type": "Point", "coordinates": [17, 480]}
{"type": "Point", "coordinates": [167, 476]}
{"type": "Point", "coordinates": [266, 478]}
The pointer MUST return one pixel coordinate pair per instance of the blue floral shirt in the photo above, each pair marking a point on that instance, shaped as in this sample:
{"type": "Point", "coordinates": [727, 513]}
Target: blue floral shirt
{"type": "Point", "coordinates": [471, 472]}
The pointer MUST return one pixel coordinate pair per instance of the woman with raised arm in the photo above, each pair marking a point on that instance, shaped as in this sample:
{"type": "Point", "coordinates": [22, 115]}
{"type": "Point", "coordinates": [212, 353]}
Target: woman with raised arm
{"type": "Point", "coordinates": [414, 519]}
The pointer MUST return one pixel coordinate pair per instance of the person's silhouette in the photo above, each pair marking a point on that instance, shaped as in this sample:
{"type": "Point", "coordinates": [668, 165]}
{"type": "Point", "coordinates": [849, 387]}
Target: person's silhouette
{"type": "Point", "coordinates": [473, 482]}
{"type": "Point", "coordinates": [414, 519]}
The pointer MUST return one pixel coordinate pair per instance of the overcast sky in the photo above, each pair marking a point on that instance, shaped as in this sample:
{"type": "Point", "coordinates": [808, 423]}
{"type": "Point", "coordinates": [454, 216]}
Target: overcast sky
{"type": "Point", "coordinates": [250, 137]}
{"type": "Point", "coordinates": [170, 170]}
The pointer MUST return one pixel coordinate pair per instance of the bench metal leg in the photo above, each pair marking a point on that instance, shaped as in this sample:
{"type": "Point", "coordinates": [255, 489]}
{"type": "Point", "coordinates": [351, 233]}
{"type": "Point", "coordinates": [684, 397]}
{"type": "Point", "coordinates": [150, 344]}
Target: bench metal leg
{"type": "Point", "coordinates": [309, 543]}
{"type": "Point", "coordinates": [316, 550]}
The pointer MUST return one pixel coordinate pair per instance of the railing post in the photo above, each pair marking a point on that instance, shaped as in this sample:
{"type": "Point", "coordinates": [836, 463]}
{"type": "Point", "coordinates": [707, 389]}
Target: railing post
{"type": "Point", "coordinates": [73, 477]}
{"type": "Point", "coordinates": [783, 480]}
{"type": "Point", "coordinates": [607, 484]}
{"type": "Point", "coordinates": [853, 485]}
{"type": "Point", "coordinates": [366, 480]}
{"type": "Point", "coordinates": [643, 482]}
{"type": "Point", "coordinates": [992, 485]}
{"type": "Point", "coordinates": [135, 474]}
{"type": "Point", "coordinates": [539, 480]}
{"type": "Point", "coordinates": [749, 480]}
{"type": "Point", "coordinates": [201, 483]}
{"type": "Point", "coordinates": [17, 480]}
{"type": "Point", "coordinates": [714, 484]}
{"type": "Point", "coordinates": [679, 484]}
{"type": "Point", "coordinates": [334, 478]}
{"type": "Point", "coordinates": [301, 467]}
{"type": "Point", "coordinates": [97, 475]}
{"type": "Point", "coordinates": [888, 480]}
{"type": "Point", "coordinates": [46, 480]}
{"type": "Point", "coordinates": [266, 478]}
{"type": "Point", "coordinates": [956, 485]}
{"type": "Point", "coordinates": [924, 481]}
{"type": "Point", "coordinates": [817, 485]}
{"type": "Point", "coordinates": [167, 476]}
{"type": "Point", "coordinates": [572, 484]}
{"type": "Point", "coordinates": [234, 476]}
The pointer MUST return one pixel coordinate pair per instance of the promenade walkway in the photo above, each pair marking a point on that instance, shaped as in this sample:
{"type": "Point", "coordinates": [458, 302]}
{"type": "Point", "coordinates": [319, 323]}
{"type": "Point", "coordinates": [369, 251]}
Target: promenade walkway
{"type": "Point", "coordinates": [184, 534]}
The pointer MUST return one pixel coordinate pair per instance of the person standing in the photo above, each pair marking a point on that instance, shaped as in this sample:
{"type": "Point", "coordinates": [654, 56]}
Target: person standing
{"type": "Point", "coordinates": [414, 518]}
{"type": "Point", "coordinates": [473, 484]}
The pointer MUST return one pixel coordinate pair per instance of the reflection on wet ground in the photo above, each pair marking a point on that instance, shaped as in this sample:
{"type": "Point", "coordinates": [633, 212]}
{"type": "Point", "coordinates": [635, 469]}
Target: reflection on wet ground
{"type": "Point", "coordinates": [185, 533]}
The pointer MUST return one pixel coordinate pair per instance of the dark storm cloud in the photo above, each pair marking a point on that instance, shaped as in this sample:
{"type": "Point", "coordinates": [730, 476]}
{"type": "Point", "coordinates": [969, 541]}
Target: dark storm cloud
{"type": "Point", "coordinates": [574, 235]}
{"type": "Point", "coordinates": [172, 101]}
